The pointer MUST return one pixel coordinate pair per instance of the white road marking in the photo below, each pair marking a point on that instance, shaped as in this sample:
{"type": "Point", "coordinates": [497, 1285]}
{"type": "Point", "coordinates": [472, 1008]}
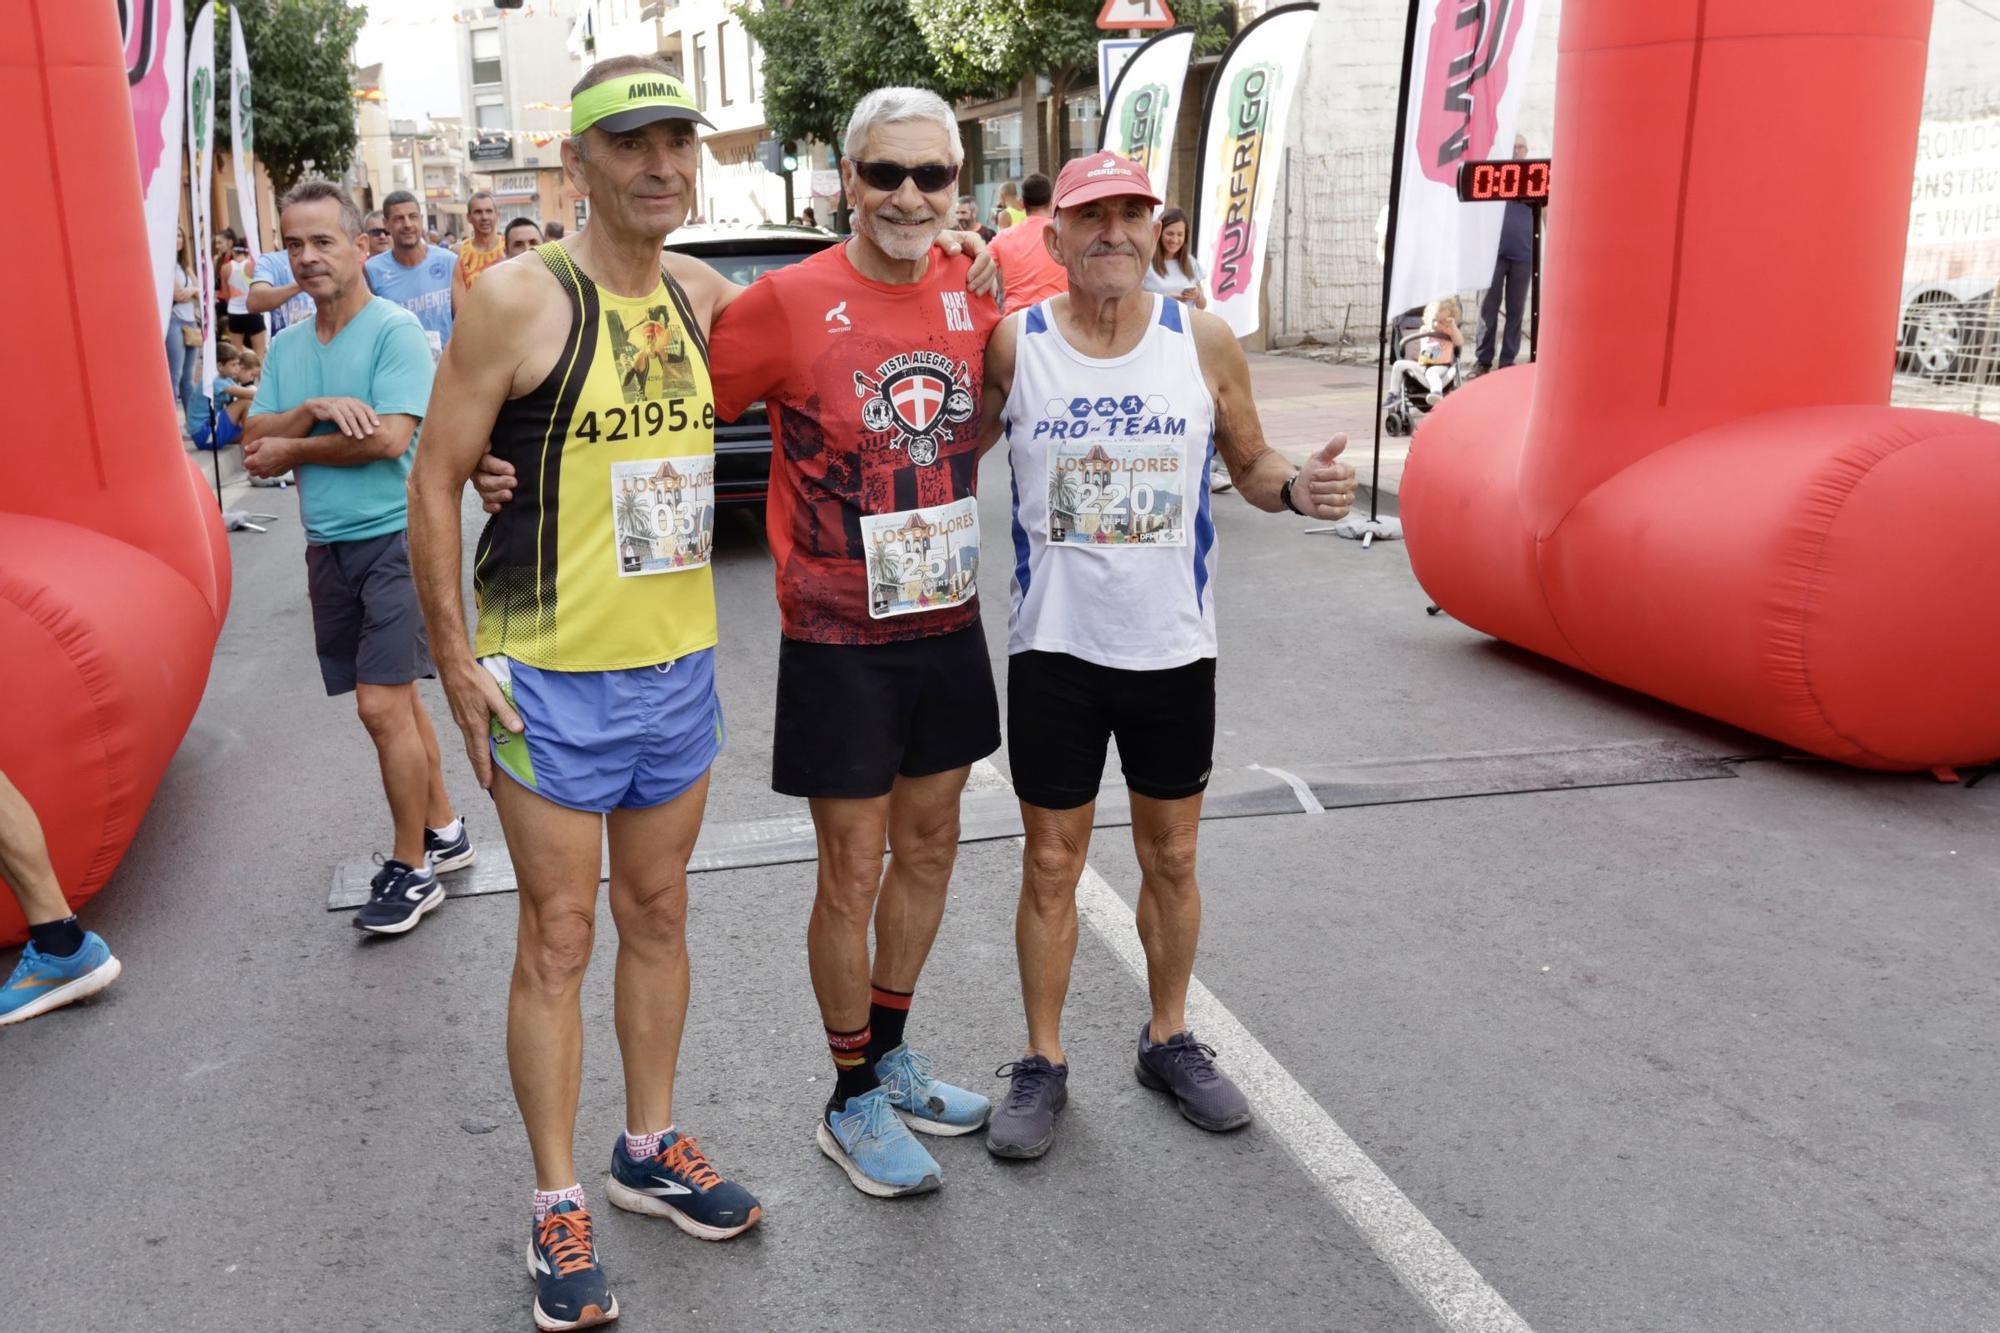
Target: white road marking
{"type": "Point", "coordinates": [1307, 801]}
{"type": "Point", "coordinates": [1427, 1264]}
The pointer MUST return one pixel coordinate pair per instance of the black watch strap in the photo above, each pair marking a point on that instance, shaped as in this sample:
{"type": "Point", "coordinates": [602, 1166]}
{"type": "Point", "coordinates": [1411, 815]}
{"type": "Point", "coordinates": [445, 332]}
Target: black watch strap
{"type": "Point", "coordinates": [1285, 496]}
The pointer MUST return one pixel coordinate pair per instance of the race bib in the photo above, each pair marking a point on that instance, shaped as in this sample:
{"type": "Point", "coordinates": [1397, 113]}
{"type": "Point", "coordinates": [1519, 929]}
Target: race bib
{"type": "Point", "coordinates": [921, 559]}
{"type": "Point", "coordinates": [664, 509]}
{"type": "Point", "coordinates": [1117, 493]}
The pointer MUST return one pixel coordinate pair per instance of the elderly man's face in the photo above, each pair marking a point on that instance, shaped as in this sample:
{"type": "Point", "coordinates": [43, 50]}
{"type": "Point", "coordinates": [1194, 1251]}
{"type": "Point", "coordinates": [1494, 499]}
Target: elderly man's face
{"type": "Point", "coordinates": [1520, 146]}
{"type": "Point", "coordinates": [904, 221]}
{"type": "Point", "coordinates": [1105, 244]}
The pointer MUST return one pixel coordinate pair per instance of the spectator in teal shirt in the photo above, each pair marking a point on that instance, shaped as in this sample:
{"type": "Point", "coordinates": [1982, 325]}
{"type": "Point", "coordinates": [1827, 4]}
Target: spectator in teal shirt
{"type": "Point", "coordinates": [339, 404]}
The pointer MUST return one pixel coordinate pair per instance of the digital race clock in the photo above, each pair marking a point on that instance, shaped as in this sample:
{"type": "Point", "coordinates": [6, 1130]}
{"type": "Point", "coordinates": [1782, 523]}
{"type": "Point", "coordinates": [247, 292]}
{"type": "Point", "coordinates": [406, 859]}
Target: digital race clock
{"type": "Point", "coordinates": [1509, 180]}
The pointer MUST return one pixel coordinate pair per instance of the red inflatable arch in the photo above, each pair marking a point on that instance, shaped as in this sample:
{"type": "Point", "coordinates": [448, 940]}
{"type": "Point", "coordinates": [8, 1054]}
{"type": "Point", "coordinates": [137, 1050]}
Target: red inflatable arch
{"type": "Point", "coordinates": [114, 573]}
{"type": "Point", "coordinates": [1698, 492]}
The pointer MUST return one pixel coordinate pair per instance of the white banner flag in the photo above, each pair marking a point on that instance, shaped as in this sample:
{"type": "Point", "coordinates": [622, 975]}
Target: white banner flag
{"type": "Point", "coordinates": [1468, 74]}
{"type": "Point", "coordinates": [201, 177]}
{"type": "Point", "coordinates": [1242, 151]}
{"type": "Point", "coordinates": [155, 69]}
{"type": "Point", "coordinates": [242, 139]}
{"type": "Point", "coordinates": [1145, 102]}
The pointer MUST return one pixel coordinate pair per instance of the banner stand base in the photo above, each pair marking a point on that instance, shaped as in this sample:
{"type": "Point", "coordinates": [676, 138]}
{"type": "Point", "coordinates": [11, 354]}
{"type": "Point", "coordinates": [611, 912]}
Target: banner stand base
{"type": "Point", "coordinates": [1364, 530]}
{"type": "Point", "coordinates": [235, 520]}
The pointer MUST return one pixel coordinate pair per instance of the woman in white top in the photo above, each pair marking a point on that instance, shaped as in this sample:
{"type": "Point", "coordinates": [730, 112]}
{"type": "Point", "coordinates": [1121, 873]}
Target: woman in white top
{"type": "Point", "coordinates": [1174, 271]}
{"type": "Point", "coordinates": [183, 333]}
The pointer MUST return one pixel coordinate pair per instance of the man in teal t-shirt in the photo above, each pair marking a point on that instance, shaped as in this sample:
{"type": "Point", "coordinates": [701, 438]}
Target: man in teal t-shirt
{"type": "Point", "coordinates": [340, 403]}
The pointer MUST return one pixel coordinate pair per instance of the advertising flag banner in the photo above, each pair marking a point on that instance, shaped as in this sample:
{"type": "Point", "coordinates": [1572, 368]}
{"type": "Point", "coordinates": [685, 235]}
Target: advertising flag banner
{"type": "Point", "coordinates": [201, 174]}
{"type": "Point", "coordinates": [1242, 151]}
{"type": "Point", "coordinates": [155, 70]}
{"type": "Point", "coordinates": [1145, 102]}
{"type": "Point", "coordinates": [1468, 73]}
{"type": "Point", "coordinates": [242, 139]}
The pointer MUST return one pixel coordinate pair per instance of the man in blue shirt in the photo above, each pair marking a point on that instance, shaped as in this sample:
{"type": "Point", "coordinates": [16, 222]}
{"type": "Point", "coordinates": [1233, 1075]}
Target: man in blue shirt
{"type": "Point", "coordinates": [1510, 278]}
{"type": "Point", "coordinates": [415, 274]}
{"type": "Point", "coordinates": [274, 292]}
{"type": "Point", "coordinates": [339, 404]}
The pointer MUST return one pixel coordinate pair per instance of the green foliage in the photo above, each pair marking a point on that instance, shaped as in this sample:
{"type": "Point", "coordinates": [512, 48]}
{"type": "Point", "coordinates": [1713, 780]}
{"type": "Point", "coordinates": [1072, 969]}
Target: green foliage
{"type": "Point", "coordinates": [1001, 42]}
{"type": "Point", "coordinates": [302, 81]}
{"type": "Point", "coordinates": [823, 56]}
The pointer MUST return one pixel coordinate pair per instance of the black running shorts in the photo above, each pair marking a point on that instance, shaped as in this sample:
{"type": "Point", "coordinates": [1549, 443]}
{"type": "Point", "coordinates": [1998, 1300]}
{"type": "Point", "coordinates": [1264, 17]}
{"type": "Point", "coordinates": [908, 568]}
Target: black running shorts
{"type": "Point", "coordinates": [852, 718]}
{"type": "Point", "coordinates": [1062, 711]}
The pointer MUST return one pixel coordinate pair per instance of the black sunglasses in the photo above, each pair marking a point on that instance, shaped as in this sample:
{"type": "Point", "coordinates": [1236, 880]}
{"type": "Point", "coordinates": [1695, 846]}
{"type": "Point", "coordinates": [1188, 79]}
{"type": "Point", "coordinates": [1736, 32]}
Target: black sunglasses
{"type": "Point", "coordinates": [378, 231]}
{"type": "Point", "coordinates": [930, 178]}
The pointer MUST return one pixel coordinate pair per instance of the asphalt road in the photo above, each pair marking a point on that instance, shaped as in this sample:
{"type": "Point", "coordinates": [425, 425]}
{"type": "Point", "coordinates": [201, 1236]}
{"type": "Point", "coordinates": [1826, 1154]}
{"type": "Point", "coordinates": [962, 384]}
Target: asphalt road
{"type": "Point", "coordinates": [1711, 1055]}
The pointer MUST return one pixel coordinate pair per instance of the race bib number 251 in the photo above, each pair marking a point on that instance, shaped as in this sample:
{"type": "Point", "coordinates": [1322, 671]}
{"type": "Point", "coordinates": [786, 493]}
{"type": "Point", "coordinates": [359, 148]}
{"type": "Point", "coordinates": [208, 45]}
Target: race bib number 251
{"type": "Point", "coordinates": [921, 559]}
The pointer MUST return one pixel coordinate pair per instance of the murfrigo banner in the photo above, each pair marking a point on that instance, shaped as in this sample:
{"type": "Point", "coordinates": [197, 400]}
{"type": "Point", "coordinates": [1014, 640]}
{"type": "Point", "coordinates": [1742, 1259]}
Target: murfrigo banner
{"type": "Point", "coordinates": [155, 33]}
{"type": "Point", "coordinates": [1242, 152]}
{"type": "Point", "coordinates": [1468, 72]}
{"type": "Point", "coordinates": [201, 181]}
{"type": "Point", "coordinates": [243, 136]}
{"type": "Point", "coordinates": [1146, 101]}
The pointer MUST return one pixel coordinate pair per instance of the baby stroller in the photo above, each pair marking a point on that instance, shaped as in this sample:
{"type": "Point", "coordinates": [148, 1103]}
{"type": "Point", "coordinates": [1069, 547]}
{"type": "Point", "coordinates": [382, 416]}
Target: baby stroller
{"type": "Point", "coordinates": [1410, 392]}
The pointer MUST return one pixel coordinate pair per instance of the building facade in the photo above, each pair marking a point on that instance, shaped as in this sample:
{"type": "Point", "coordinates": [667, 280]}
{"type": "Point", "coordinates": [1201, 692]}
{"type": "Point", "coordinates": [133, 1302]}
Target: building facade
{"type": "Point", "coordinates": [515, 74]}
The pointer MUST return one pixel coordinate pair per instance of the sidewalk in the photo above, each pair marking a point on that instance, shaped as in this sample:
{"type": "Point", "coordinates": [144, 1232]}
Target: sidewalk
{"type": "Point", "coordinates": [1302, 403]}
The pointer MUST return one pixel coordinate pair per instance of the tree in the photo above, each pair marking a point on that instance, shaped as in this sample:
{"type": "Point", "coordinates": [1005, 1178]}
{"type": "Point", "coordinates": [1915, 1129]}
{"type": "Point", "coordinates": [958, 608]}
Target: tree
{"type": "Point", "coordinates": [303, 82]}
{"type": "Point", "coordinates": [823, 56]}
{"type": "Point", "coordinates": [997, 43]}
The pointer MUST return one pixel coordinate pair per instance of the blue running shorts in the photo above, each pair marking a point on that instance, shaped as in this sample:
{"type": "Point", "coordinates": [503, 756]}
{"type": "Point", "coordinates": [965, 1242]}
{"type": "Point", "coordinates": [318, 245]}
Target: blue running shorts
{"type": "Point", "coordinates": [610, 740]}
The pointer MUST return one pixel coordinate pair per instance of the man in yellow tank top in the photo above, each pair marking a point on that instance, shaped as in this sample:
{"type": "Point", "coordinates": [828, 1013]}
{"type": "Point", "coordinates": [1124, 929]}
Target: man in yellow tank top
{"type": "Point", "coordinates": [593, 686]}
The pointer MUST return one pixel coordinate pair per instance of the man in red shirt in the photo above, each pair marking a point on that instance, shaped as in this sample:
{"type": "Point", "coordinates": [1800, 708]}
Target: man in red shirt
{"type": "Point", "coordinates": [870, 357]}
{"type": "Point", "coordinates": [1026, 266]}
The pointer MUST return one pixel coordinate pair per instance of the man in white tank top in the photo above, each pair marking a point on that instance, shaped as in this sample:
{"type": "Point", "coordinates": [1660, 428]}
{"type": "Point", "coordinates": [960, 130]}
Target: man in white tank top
{"type": "Point", "coordinates": [1115, 403]}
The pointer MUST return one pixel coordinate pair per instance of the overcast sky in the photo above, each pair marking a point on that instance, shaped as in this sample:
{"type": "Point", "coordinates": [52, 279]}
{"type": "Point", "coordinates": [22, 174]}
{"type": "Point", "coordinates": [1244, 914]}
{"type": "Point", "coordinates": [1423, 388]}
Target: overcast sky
{"type": "Point", "coordinates": [416, 42]}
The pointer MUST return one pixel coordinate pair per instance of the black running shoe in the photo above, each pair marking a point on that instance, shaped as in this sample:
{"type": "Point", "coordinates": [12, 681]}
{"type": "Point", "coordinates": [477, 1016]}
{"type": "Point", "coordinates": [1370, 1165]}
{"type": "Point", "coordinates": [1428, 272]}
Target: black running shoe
{"type": "Point", "coordinates": [1185, 1069]}
{"type": "Point", "coordinates": [571, 1290]}
{"type": "Point", "coordinates": [446, 857]}
{"type": "Point", "coordinates": [398, 897]}
{"type": "Point", "coordinates": [1024, 1125]}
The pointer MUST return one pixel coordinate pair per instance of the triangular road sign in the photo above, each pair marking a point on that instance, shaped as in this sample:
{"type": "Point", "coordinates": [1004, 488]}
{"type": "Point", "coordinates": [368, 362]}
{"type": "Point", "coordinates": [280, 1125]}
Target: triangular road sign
{"type": "Point", "coordinates": [1135, 14]}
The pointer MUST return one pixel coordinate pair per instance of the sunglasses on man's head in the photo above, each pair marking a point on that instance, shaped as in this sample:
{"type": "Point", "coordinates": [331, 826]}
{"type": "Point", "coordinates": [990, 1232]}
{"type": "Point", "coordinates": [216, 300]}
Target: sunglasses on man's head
{"type": "Point", "coordinates": [930, 177]}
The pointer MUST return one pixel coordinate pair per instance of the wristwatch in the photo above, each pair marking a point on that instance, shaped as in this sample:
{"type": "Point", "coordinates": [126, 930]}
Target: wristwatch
{"type": "Point", "coordinates": [1285, 496]}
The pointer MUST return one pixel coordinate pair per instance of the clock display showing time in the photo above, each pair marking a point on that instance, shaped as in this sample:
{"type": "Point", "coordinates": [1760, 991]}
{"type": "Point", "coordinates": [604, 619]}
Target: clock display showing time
{"type": "Point", "coordinates": [1506, 180]}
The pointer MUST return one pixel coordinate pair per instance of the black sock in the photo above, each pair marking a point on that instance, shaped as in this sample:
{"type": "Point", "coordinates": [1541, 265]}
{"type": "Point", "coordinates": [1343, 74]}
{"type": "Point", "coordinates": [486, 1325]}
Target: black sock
{"type": "Point", "coordinates": [853, 1072]}
{"type": "Point", "coordinates": [57, 939]}
{"type": "Point", "coordinates": [888, 1011]}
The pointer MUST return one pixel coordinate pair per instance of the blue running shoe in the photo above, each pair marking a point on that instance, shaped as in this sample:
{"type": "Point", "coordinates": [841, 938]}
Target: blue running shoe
{"type": "Point", "coordinates": [571, 1290]}
{"type": "Point", "coordinates": [928, 1106]}
{"type": "Point", "coordinates": [870, 1142]}
{"type": "Point", "coordinates": [42, 982]}
{"type": "Point", "coordinates": [680, 1185]}
{"type": "Point", "coordinates": [445, 857]}
{"type": "Point", "coordinates": [398, 897]}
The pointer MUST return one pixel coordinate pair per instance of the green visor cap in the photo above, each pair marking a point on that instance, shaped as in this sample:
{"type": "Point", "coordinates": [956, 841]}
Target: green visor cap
{"type": "Point", "coordinates": [632, 100]}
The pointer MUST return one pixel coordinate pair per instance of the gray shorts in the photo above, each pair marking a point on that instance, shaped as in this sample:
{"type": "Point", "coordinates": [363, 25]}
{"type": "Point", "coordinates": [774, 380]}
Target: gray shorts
{"type": "Point", "coordinates": [366, 621]}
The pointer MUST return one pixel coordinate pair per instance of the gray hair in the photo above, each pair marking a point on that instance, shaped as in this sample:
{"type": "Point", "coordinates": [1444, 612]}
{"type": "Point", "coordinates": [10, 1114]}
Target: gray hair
{"type": "Point", "coordinates": [313, 191]}
{"type": "Point", "coordinates": [896, 106]}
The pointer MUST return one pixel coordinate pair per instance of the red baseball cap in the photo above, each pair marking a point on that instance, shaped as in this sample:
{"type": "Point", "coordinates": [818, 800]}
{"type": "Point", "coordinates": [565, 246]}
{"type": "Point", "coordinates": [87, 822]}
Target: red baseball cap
{"type": "Point", "coordinates": [1102, 176]}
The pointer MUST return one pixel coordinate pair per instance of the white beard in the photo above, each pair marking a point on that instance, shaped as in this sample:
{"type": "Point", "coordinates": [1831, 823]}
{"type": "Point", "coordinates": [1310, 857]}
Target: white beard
{"type": "Point", "coordinates": [903, 242]}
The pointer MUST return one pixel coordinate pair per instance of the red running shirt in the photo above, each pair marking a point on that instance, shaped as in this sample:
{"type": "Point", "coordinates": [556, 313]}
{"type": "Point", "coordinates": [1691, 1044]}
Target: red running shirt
{"type": "Point", "coordinates": [873, 392]}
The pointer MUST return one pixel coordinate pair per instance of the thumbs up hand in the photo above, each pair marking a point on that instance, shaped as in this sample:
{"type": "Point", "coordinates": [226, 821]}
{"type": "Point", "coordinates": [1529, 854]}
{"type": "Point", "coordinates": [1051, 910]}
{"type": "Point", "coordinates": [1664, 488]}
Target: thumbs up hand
{"type": "Point", "coordinates": [1325, 485]}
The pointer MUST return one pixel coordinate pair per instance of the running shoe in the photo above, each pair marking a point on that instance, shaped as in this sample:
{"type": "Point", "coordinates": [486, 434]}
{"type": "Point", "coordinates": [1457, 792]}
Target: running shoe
{"type": "Point", "coordinates": [42, 982]}
{"type": "Point", "coordinates": [928, 1106]}
{"type": "Point", "coordinates": [678, 1183]}
{"type": "Point", "coordinates": [1185, 1069]}
{"type": "Point", "coordinates": [571, 1290]}
{"type": "Point", "coordinates": [398, 897]}
{"type": "Point", "coordinates": [870, 1142]}
{"type": "Point", "coordinates": [1025, 1125]}
{"type": "Point", "coordinates": [445, 857]}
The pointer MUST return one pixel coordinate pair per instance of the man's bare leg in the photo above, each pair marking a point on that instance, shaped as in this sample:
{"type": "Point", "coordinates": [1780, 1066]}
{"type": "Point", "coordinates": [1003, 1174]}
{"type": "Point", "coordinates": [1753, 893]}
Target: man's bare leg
{"type": "Point", "coordinates": [649, 901]}
{"type": "Point", "coordinates": [923, 847]}
{"type": "Point", "coordinates": [1045, 923]}
{"type": "Point", "coordinates": [437, 802]}
{"type": "Point", "coordinates": [556, 857]}
{"type": "Point", "coordinates": [24, 859]}
{"type": "Point", "coordinates": [1164, 835]}
{"type": "Point", "coordinates": [389, 714]}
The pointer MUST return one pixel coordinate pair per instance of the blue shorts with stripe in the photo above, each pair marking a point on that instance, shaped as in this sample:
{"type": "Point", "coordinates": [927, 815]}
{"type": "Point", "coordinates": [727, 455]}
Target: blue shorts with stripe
{"type": "Point", "coordinates": [610, 740]}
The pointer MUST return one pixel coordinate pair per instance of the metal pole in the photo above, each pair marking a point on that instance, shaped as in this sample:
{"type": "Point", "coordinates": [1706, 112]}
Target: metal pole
{"type": "Point", "coordinates": [1389, 255]}
{"type": "Point", "coordinates": [1535, 297]}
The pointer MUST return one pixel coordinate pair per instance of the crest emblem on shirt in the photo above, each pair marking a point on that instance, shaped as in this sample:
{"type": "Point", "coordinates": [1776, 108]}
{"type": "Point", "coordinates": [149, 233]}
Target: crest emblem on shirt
{"type": "Point", "coordinates": [917, 395]}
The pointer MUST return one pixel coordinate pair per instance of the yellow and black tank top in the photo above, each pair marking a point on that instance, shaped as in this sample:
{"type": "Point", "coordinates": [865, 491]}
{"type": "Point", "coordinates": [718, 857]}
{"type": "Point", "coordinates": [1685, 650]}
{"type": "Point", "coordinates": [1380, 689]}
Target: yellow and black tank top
{"type": "Point", "coordinates": [600, 562]}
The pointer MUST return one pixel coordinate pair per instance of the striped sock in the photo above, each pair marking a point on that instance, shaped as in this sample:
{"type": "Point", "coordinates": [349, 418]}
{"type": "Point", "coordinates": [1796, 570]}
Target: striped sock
{"type": "Point", "coordinates": [888, 1011]}
{"type": "Point", "coordinates": [643, 1147]}
{"type": "Point", "coordinates": [853, 1072]}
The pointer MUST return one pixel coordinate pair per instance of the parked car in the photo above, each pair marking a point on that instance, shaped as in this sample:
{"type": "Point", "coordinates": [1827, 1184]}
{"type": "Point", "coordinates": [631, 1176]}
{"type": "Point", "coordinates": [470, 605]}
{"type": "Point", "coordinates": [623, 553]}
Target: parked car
{"type": "Point", "coordinates": [741, 254]}
{"type": "Point", "coordinates": [1948, 330]}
